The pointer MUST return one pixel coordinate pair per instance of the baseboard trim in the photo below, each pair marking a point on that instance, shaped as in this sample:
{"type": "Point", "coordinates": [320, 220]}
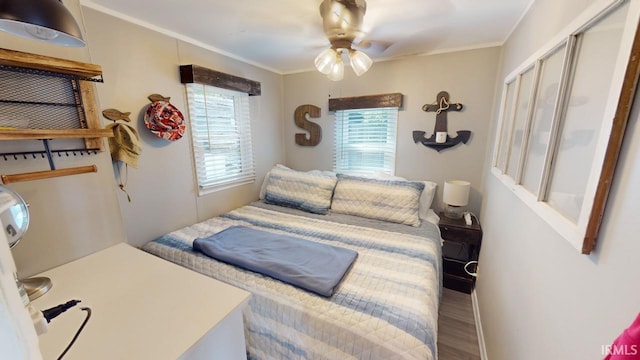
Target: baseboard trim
{"type": "Point", "coordinates": [476, 317]}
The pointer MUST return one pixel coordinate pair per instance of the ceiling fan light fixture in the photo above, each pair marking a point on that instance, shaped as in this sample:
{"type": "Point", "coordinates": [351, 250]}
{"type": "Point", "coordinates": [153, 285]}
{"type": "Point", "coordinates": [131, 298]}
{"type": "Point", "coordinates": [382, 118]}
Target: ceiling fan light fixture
{"type": "Point", "coordinates": [43, 20]}
{"type": "Point", "coordinates": [360, 62]}
{"type": "Point", "coordinates": [325, 60]}
{"type": "Point", "coordinates": [337, 70]}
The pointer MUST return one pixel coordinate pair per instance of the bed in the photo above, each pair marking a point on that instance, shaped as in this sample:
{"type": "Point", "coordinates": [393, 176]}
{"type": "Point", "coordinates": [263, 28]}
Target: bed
{"type": "Point", "coordinates": [385, 306]}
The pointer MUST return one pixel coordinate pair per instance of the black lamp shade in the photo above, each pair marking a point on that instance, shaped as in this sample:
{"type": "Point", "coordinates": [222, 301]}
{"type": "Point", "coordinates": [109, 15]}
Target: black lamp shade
{"type": "Point", "coordinates": [44, 20]}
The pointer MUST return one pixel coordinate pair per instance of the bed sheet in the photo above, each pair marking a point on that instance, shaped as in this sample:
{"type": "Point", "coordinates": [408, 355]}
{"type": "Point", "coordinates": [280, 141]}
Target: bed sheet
{"type": "Point", "coordinates": [386, 307]}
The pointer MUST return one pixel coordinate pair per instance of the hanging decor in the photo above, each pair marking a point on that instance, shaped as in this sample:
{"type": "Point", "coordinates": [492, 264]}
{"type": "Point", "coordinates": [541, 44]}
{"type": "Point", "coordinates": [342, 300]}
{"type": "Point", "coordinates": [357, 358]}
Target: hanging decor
{"type": "Point", "coordinates": [163, 119]}
{"type": "Point", "coordinates": [315, 131]}
{"type": "Point", "coordinates": [440, 138]}
{"type": "Point", "coordinates": [124, 145]}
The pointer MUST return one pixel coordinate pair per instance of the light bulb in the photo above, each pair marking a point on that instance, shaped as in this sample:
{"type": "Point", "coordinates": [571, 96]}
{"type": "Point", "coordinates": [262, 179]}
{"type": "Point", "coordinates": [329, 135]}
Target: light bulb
{"type": "Point", "coordinates": [337, 70]}
{"type": "Point", "coordinates": [41, 33]}
{"type": "Point", "coordinates": [325, 61]}
{"type": "Point", "coordinates": [360, 62]}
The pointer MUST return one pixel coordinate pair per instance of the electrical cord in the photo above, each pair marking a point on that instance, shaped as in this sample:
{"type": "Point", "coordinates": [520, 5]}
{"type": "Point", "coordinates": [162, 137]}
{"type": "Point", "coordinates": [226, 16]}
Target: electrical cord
{"type": "Point", "coordinates": [52, 313]}
{"type": "Point", "coordinates": [75, 337]}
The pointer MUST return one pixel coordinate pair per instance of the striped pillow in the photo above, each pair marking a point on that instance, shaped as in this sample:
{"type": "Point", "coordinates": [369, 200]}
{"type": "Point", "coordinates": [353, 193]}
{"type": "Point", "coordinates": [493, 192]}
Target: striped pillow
{"type": "Point", "coordinates": [308, 191]}
{"type": "Point", "coordinates": [389, 200]}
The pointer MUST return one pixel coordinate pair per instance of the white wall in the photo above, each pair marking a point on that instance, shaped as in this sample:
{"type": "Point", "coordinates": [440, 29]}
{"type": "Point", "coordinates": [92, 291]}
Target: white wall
{"type": "Point", "coordinates": [468, 76]}
{"type": "Point", "coordinates": [538, 297]}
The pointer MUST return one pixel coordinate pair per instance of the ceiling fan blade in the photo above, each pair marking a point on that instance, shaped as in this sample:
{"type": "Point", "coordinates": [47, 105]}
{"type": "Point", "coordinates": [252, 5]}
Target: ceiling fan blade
{"type": "Point", "coordinates": [373, 46]}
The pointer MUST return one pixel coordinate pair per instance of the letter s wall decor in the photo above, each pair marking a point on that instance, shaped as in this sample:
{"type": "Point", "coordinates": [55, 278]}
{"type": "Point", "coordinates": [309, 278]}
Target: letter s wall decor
{"type": "Point", "coordinates": [315, 131]}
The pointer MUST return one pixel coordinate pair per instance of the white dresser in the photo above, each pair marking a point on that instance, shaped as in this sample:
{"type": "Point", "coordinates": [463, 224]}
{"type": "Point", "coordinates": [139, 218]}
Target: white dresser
{"type": "Point", "coordinates": [143, 307]}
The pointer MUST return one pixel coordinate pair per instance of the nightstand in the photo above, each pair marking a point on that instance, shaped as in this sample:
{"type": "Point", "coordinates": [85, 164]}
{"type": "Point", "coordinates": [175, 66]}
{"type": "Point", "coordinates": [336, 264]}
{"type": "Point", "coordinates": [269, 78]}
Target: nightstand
{"type": "Point", "coordinates": [461, 245]}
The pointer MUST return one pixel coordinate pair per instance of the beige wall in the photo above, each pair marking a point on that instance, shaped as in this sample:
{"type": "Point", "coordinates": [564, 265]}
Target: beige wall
{"type": "Point", "coordinates": [468, 76]}
{"type": "Point", "coordinates": [70, 216]}
{"type": "Point", "coordinates": [77, 215]}
{"type": "Point", "coordinates": [138, 62]}
{"type": "Point", "coordinates": [538, 297]}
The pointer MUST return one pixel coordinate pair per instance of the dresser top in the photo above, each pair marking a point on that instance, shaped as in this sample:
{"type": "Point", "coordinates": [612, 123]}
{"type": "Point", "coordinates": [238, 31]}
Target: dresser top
{"type": "Point", "coordinates": [143, 307]}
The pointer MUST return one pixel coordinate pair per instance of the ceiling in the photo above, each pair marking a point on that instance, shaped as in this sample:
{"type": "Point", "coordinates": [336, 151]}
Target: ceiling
{"type": "Point", "coordinates": [286, 35]}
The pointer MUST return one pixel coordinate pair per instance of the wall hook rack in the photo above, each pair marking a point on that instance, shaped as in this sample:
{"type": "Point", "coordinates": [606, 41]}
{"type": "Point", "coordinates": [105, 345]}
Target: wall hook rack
{"type": "Point", "coordinates": [53, 172]}
{"type": "Point", "coordinates": [440, 138]}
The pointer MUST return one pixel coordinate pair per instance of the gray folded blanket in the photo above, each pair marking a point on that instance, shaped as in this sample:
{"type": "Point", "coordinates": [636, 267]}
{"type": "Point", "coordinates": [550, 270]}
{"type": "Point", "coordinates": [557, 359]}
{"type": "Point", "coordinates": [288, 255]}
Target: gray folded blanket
{"type": "Point", "coordinates": [309, 265]}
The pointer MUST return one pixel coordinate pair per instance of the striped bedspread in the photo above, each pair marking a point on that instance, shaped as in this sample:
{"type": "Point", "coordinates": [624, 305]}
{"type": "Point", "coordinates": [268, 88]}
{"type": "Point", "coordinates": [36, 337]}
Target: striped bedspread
{"type": "Point", "coordinates": [385, 308]}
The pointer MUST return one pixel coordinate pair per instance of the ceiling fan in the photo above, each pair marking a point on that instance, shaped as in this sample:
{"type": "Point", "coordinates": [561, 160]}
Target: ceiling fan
{"type": "Point", "coordinates": [342, 24]}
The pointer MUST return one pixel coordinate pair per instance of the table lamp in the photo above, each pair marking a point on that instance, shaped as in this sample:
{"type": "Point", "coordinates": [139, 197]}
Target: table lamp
{"type": "Point", "coordinates": [456, 197]}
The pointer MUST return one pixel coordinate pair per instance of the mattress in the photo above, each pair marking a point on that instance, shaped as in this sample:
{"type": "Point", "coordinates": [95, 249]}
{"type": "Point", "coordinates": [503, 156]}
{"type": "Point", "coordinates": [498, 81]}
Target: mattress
{"type": "Point", "coordinates": [386, 306]}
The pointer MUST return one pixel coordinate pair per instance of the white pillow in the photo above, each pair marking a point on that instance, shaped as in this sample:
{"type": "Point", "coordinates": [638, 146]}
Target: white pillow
{"type": "Point", "coordinates": [266, 179]}
{"type": "Point", "coordinates": [395, 201]}
{"type": "Point", "coordinates": [426, 199]}
{"type": "Point", "coordinates": [308, 191]}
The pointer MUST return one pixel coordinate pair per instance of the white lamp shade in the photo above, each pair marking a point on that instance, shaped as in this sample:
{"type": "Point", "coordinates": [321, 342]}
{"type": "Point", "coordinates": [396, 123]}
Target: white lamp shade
{"type": "Point", "coordinates": [325, 60]}
{"type": "Point", "coordinates": [456, 192]}
{"type": "Point", "coordinates": [360, 62]}
{"type": "Point", "coordinates": [337, 71]}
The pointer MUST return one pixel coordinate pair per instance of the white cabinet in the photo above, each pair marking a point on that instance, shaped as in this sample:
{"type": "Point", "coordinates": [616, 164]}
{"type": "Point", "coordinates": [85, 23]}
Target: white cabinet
{"type": "Point", "coordinates": [143, 307]}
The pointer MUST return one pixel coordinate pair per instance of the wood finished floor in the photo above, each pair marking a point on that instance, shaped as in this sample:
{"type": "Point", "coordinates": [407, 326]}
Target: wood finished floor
{"type": "Point", "coordinates": [457, 338]}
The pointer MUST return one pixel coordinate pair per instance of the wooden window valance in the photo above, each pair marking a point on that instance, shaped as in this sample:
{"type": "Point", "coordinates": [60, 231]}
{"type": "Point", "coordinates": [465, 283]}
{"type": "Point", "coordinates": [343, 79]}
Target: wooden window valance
{"type": "Point", "coordinates": [201, 75]}
{"type": "Point", "coordinates": [366, 102]}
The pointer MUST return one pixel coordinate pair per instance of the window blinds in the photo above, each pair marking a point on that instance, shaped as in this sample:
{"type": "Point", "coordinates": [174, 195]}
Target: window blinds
{"type": "Point", "coordinates": [365, 140]}
{"type": "Point", "coordinates": [221, 134]}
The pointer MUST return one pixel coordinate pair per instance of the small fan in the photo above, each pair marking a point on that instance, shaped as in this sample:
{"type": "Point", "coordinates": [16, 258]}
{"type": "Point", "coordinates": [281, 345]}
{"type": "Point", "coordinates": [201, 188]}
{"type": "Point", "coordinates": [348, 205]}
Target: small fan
{"type": "Point", "coordinates": [14, 218]}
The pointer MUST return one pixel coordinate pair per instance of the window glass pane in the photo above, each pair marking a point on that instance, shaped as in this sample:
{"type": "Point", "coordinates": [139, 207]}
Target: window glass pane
{"type": "Point", "coordinates": [546, 95]}
{"type": "Point", "coordinates": [365, 140]}
{"type": "Point", "coordinates": [221, 133]}
{"type": "Point", "coordinates": [521, 108]}
{"type": "Point", "coordinates": [596, 57]}
{"type": "Point", "coordinates": [506, 126]}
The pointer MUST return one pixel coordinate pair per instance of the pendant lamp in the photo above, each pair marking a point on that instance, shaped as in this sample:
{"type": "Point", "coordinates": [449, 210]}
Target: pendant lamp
{"type": "Point", "coordinates": [44, 20]}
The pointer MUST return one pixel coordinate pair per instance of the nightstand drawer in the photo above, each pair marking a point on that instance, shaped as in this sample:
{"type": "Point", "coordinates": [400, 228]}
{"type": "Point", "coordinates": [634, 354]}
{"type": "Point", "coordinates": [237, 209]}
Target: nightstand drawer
{"type": "Point", "coordinates": [455, 267]}
{"type": "Point", "coordinates": [460, 251]}
{"type": "Point", "coordinates": [458, 283]}
{"type": "Point", "coordinates": [460, 234]}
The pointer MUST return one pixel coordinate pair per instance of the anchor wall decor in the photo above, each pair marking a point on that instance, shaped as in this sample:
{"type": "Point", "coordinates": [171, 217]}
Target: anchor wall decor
{"type": "Point", "coordinates": [440, 138]}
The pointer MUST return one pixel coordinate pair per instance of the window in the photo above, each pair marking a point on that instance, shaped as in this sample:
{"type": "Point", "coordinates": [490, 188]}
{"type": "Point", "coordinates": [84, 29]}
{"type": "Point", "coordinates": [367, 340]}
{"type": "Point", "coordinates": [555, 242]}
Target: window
{"type": "Point", "coordinates": [563, 114]}
{"type": "Point", "coordinates": [525, 82]}
{"type": "Point", "coordinates": [365, 140]}
{"type": "Point", "coordinates": [221, 134]}
{"type": "Point", "coordinates": [550, 72]}
{"type": "Point", "coordinates": [500, 158]}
